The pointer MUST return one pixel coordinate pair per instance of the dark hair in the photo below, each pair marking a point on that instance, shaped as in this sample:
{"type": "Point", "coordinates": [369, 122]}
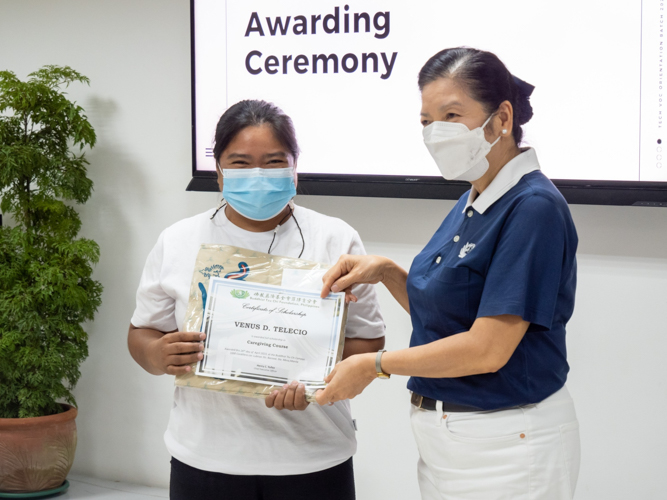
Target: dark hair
{"type": "Point", "coordinates": [485, 78]}
{"type": "Point", "coordinates": [253, 113]}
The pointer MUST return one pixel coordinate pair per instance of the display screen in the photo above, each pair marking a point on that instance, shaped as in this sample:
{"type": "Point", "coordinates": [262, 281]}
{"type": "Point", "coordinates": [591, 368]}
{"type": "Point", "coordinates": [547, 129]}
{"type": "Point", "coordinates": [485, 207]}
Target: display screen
{"type": "Point", "coordinates": [347, 75]}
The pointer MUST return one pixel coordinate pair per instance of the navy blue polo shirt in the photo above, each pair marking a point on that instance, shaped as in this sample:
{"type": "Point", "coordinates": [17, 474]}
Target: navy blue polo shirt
{"type": "Point", "coordinates": [510, 251]}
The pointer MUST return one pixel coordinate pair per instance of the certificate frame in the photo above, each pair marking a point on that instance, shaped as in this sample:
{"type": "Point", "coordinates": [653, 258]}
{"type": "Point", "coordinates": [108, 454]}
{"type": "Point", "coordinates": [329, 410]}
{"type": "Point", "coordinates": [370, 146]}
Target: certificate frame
{"type": "Point", "coordinates": [251, 297]}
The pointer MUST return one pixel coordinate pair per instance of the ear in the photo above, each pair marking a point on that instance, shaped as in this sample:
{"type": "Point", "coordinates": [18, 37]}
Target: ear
{"type": "Point", "coordinates": [296, 176]}
{"type": "Point", "coordinates": [219, 174]}
{"type": "Point", "coordinates": [505, 119]}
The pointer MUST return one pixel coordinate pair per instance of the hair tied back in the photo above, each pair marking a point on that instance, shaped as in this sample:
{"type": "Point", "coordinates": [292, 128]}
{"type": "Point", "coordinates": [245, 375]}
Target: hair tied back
{"type": "Point", "coordinates": [525, 88]}
{"type": "Point", "coordinates": [485, 78]}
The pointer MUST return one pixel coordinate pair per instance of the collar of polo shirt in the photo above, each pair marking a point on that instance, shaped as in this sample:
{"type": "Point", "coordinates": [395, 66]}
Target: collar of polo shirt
{"type": "Point", "coordinates": [506, 179]}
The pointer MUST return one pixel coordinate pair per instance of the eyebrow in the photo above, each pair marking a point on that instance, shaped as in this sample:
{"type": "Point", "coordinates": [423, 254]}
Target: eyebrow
{"type": "Point", "coordinates": [443, 107]}
{"type": "Point", "coordinates": [450, 104]}
{"type": "Point", "coordinates": [248, 157]}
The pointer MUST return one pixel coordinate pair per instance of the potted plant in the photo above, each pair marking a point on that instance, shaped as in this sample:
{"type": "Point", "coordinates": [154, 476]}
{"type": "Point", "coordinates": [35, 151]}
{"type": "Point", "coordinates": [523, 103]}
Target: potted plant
{"type": "Point", "coordinates": [46, 289]}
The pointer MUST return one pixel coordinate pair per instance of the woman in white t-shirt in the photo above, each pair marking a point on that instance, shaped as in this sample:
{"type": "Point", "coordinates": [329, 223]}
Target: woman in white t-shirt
{"type": "Point", "coordinates": [225, 446]}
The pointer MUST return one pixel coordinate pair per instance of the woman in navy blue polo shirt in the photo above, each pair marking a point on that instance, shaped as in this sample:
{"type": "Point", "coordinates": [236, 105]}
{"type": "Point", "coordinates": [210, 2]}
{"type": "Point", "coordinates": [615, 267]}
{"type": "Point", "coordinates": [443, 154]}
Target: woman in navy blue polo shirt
{"type": "Point", "coordinates": [489, 297]}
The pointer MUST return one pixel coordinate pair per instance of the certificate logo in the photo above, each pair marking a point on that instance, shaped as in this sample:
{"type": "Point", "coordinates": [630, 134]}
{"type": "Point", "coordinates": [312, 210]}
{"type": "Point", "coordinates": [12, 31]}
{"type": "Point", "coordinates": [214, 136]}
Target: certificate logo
{"type": "Point", "coordinates": [240, 294]}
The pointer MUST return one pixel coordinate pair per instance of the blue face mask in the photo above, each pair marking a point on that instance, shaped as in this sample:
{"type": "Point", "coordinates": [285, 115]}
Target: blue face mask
{"type": "Point", "coordinates": [258, 193]}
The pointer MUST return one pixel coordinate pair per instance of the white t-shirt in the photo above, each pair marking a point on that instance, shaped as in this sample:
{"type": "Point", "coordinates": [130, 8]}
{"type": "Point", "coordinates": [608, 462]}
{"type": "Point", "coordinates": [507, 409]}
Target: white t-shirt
{"type": "Point", "coordinates": [226, 433]}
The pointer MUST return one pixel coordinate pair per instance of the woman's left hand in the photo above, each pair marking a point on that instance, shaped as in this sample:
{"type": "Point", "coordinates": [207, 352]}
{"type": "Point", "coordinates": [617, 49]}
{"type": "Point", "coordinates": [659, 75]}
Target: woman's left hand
{"type": "Point", "coordinates": [348, 379]}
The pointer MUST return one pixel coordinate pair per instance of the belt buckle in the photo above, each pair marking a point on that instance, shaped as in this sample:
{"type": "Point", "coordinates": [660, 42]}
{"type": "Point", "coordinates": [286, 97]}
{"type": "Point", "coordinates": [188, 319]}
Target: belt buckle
{"type": "Point", "coordinates": [420, 400]}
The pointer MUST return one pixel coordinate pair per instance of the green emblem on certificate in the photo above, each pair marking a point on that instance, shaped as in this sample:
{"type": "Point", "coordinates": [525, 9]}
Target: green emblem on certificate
{"type": "Point", "coordinates": [240, 294]}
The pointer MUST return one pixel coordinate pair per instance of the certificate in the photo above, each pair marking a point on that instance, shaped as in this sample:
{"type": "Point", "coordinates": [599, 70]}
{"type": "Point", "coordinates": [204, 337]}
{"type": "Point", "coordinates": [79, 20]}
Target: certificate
{"type": "Point", "coordinates": [270, 334]}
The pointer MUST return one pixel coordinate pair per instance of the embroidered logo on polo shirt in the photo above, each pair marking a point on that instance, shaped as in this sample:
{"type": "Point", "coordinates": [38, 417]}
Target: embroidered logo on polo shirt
{"type": "Point", "coordinates": [467, 248]}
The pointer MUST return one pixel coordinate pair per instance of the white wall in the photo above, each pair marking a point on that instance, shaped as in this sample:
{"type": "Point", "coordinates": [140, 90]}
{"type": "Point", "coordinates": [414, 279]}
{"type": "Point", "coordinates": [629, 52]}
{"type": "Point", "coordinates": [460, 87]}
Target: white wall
{"type": "Point", "coordinates": [136, 53]}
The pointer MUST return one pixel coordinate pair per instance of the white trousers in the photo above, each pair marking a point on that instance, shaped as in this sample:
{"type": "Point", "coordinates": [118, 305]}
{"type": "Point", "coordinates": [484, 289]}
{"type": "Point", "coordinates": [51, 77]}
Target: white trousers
{"type": "Point", "coordinates": [527, 453]}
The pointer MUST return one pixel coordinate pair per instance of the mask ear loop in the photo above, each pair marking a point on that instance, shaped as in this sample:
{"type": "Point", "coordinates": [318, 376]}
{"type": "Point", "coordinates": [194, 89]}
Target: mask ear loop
{"type": "Point", "coordinates": [222, 203]}
{"type": "Point", "coordinates": [484, 126]}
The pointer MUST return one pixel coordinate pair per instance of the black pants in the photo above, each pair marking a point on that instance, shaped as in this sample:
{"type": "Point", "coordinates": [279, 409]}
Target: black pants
{"type": "Point", "coordinates": [188, 483]}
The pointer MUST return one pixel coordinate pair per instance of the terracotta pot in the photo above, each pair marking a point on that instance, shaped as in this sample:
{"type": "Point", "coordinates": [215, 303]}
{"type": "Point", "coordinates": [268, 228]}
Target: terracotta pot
{"type": "Point", "coordinates": [36, 453]}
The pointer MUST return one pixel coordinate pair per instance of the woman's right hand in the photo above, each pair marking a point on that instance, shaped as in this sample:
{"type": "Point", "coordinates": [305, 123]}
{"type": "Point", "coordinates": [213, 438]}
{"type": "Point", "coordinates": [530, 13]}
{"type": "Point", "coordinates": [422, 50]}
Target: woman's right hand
{"type": "Point", "coordinates": [351, 270]}
{"type": "Point", "coordinates": [173, 353]}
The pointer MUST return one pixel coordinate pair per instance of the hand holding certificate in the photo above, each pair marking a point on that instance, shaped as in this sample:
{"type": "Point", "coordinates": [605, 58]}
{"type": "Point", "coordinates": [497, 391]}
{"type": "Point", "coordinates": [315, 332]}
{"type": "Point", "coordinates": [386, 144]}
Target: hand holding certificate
{"type": "Point", "coordinates": [269, 334]}
{"type": "Point", "coordinates": [265, 323]}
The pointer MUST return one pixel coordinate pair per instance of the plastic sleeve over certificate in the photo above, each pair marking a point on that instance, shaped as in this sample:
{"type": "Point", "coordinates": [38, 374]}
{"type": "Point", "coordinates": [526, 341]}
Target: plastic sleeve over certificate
{"type": "Point", "coordinates": [270, 334]}
{"type": "Point", "coordinates": [265, 322]}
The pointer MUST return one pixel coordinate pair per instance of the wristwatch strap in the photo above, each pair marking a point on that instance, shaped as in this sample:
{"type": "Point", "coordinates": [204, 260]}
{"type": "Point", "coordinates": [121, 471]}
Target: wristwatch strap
{"type": "Point", "coordinates": [378, 365]}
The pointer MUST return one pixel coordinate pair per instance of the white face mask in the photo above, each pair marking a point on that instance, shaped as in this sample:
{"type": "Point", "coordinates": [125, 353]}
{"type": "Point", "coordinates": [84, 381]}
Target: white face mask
{"type": "Point", "coordinates": [459, 152]}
